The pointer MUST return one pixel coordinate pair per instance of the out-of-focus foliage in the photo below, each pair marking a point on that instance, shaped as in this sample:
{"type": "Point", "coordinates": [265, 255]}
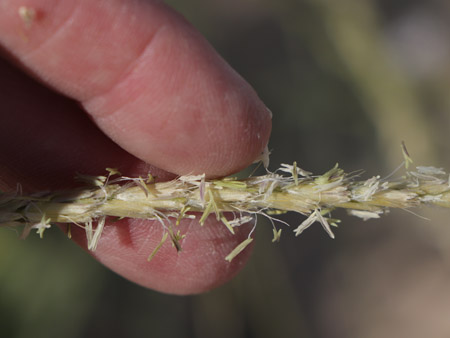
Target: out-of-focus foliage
{"type": "Point", "coordinates": [347, 81]}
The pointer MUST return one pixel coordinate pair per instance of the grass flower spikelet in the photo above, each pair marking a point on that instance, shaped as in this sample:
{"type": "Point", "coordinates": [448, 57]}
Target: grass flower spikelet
{"type": "Point", "coordinates": [287, 189]}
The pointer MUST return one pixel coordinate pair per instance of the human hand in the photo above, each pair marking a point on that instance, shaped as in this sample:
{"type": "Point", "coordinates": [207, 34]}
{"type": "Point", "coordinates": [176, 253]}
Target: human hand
{"type": "Point", "coordinates": [132, 83]}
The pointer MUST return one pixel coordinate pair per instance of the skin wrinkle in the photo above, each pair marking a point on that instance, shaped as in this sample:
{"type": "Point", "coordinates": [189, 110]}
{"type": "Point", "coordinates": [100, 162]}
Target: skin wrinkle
{"type": "Point", "coordinates": [116, 116]}
{"type": "Point", "coordinates": [104, 116]}
{"type": "Point", "coordinates": [98, 28]}
{"type": "Point", "coordinates": [121, 78]}
{"type": "Point", "coordinates": [171, 82]}
{"type": "Point", "coordinates": [56, 33]}
{"type": "Point", "coordinates": [126, 91]}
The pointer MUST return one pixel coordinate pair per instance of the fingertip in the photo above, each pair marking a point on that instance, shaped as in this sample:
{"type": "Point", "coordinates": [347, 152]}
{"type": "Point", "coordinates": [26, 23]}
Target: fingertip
{"type": "Point", "coordinates": [184, 109]}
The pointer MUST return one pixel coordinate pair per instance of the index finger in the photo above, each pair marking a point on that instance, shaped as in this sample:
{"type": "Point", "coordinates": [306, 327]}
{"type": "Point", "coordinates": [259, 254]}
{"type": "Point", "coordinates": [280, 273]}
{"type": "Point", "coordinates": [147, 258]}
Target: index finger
{"type": "Point", "coordinates": [146, 77]}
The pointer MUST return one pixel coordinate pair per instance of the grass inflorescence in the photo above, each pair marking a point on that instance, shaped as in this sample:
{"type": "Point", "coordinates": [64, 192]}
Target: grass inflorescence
{"type": "Point", "coordinates": [232, 201]}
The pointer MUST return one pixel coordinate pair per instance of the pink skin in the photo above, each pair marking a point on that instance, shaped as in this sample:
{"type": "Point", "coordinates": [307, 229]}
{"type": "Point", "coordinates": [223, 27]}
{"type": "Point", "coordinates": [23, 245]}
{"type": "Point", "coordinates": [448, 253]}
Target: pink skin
{"type": "Point", "coordinates": [157, 93]}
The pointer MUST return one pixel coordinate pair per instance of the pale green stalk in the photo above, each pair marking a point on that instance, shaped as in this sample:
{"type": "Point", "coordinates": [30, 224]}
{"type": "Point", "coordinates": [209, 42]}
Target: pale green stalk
{"type": "Point", "coordinates": [288, 189]}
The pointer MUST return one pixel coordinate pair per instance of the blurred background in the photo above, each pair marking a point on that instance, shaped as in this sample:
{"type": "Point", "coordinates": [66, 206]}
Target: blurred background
{"type": "Point", "coordinates": [347, 81]}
